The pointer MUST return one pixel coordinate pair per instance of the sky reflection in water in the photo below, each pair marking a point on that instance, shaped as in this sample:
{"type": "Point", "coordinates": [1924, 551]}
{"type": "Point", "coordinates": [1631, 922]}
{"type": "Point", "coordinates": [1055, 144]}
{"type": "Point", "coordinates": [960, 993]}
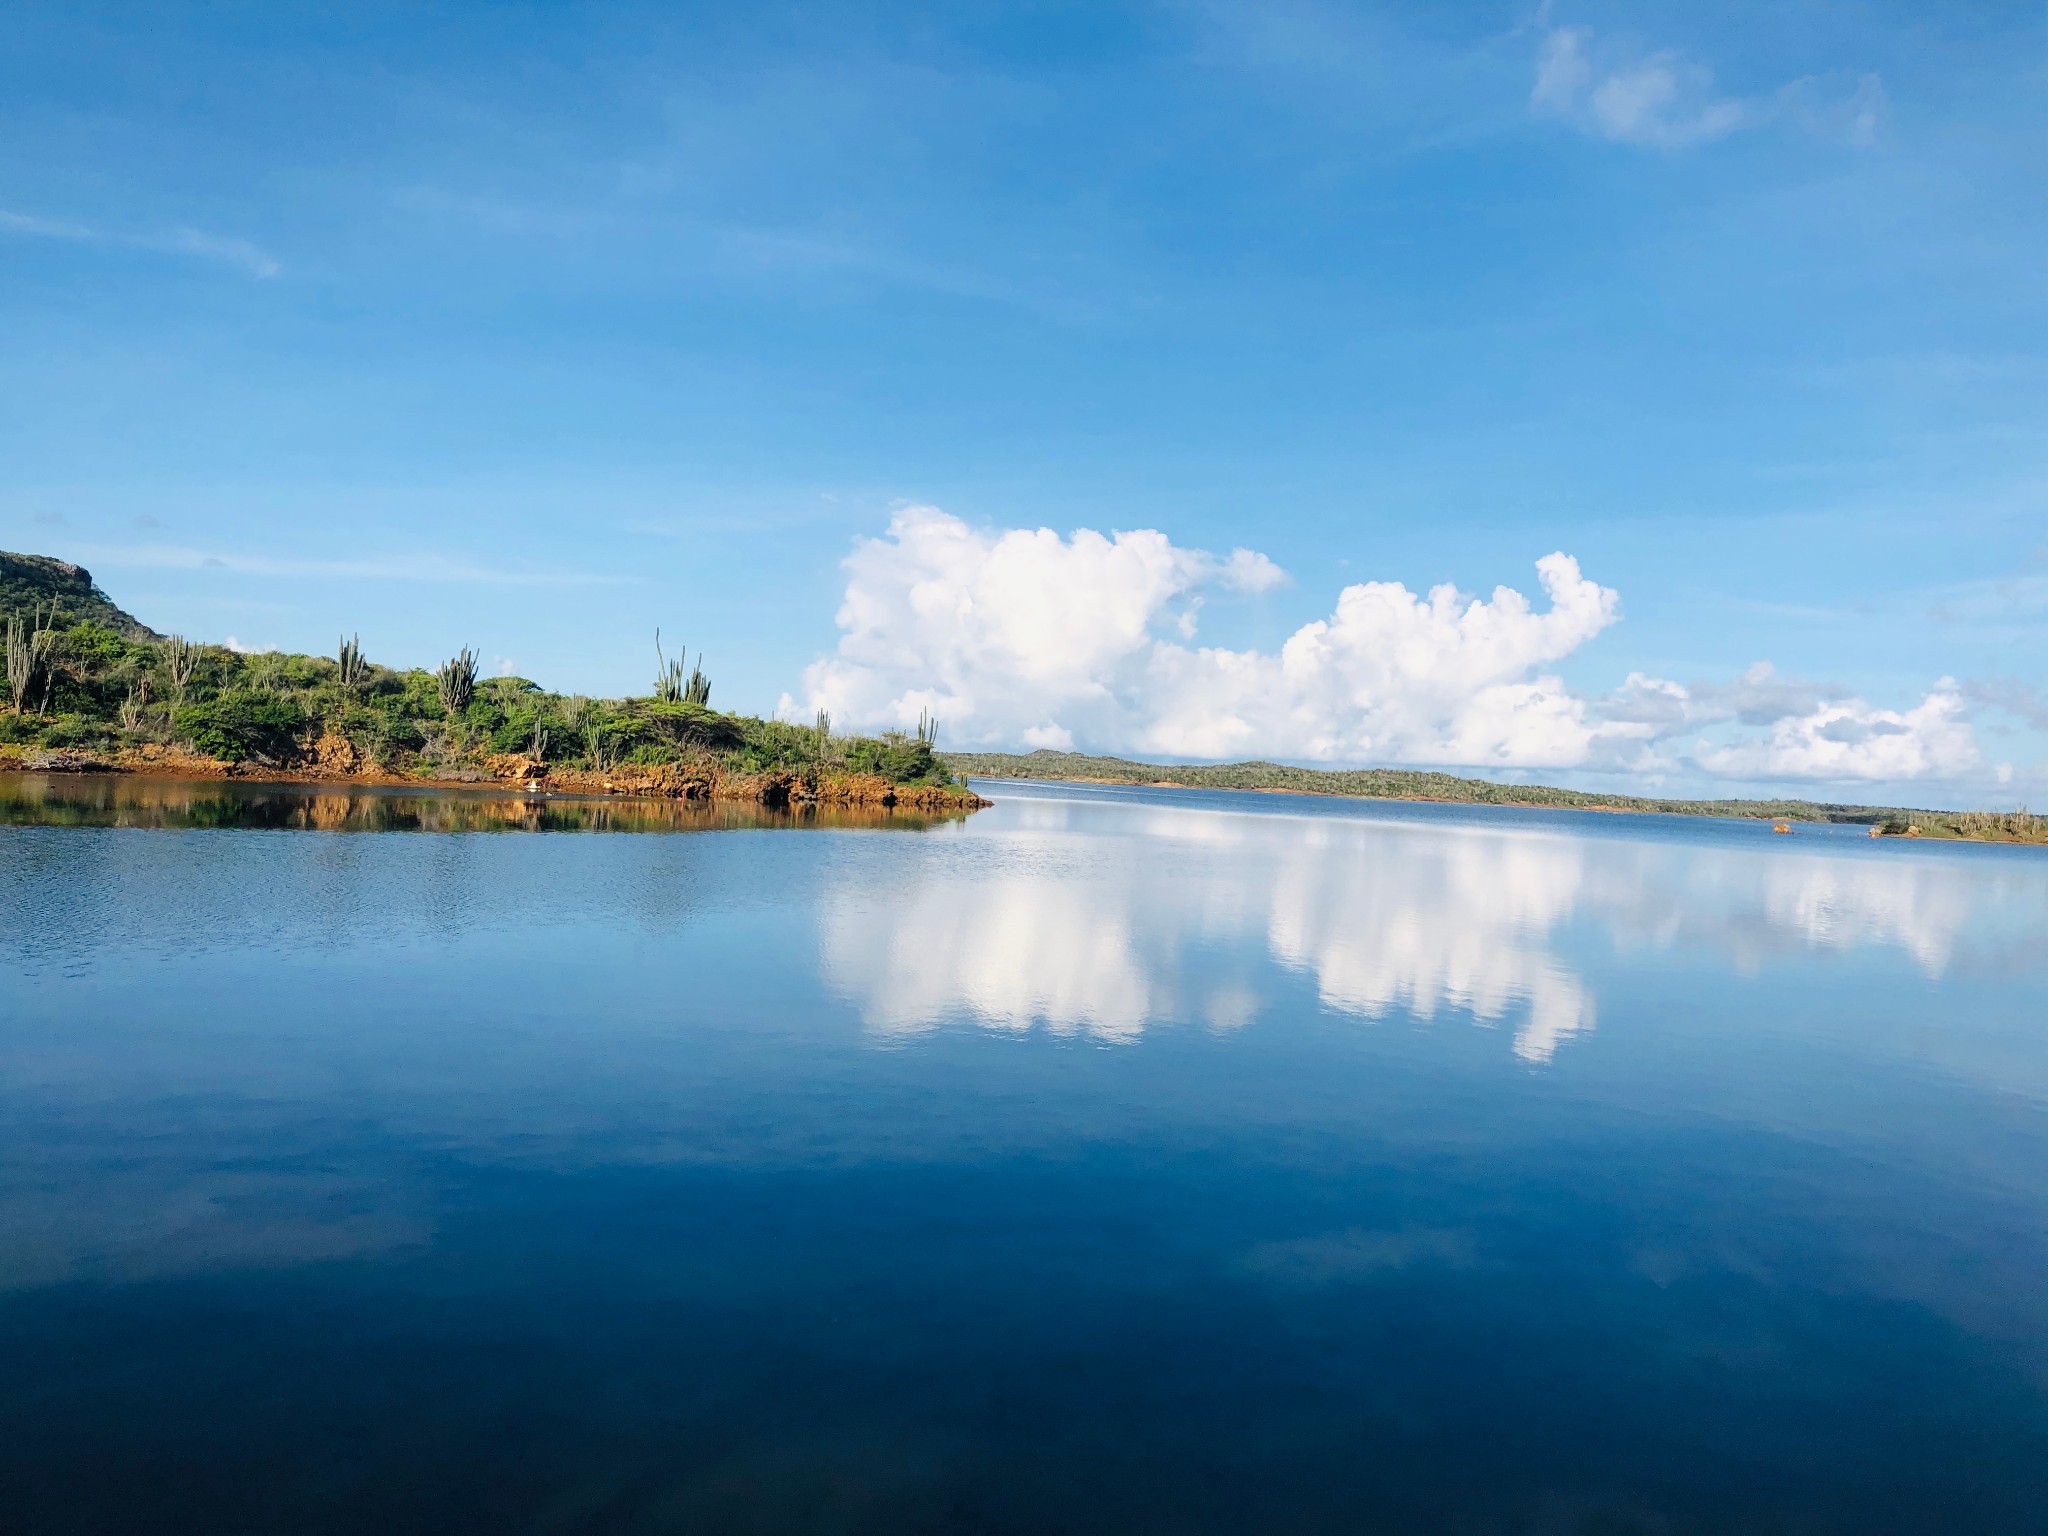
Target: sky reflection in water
{"type": "Point", "coordinates": [1108, 1161]}
{"type": "Point", "coordinates": [1089, 920]}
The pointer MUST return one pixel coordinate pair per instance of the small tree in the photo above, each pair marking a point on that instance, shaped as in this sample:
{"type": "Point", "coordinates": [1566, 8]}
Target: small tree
{"type": "Point", "coordinates": [456, 678]}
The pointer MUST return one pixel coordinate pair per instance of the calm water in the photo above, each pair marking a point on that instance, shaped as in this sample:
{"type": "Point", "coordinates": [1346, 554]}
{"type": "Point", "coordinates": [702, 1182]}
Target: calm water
{"type": "Point", "coordinates": [1108, 1161]}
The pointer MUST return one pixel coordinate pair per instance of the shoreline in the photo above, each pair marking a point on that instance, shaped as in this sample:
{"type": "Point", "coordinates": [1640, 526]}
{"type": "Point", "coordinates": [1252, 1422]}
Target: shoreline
{"type": "Point", "coordinates": [1812, 813]}
{"type": "Point", "coordinates": [523, 778]}
{"type": "Point", "coordinates": [1335, 794]}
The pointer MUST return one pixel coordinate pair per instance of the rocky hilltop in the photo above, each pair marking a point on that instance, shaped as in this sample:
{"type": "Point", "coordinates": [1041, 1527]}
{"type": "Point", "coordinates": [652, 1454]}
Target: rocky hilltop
{"type": "Point", "coordinates": [64, 590]}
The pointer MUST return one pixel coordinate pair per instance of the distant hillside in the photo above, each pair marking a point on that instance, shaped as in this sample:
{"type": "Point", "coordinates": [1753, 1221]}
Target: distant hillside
{"type": "Point", "coordinates": [29, 582]}
{"type": "Point", "coordinates": [1409, 784]}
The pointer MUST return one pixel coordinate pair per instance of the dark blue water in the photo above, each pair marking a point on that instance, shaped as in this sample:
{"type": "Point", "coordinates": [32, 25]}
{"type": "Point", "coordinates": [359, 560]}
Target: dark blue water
{"type": "Point", "coordinates": [1110, 1161]}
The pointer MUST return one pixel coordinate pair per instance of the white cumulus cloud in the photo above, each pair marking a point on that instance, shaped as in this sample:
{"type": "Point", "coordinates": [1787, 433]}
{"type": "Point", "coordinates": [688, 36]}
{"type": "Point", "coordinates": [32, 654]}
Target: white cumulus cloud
{"type": "Point", "coordinates": [1846, 739]}
{"type": "Point", "coordinates": [1028, 636]}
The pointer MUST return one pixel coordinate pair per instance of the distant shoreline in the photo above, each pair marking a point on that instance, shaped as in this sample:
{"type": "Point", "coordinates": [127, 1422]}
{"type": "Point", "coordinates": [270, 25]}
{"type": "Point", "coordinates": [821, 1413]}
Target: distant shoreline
{"type": "Point", "coordinates": [1325, 794]}
{"type": "Point", "coordinates": [1425, 788]}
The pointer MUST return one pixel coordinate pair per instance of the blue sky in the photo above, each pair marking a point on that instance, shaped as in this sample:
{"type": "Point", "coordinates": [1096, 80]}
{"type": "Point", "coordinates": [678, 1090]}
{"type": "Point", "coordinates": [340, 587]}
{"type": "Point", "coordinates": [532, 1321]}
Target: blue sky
{"type": "Point", "coordinates": [533, 327]}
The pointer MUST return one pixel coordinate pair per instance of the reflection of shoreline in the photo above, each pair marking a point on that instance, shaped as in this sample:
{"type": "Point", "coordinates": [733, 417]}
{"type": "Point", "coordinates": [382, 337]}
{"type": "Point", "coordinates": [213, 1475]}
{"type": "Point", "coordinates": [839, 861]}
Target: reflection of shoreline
{"type": "Point", "coordinates": [149, 802]}
{"type": "Point", "coordinates": [1090, 916]}
{"type": "Point", "coordinates": [1395, 786]}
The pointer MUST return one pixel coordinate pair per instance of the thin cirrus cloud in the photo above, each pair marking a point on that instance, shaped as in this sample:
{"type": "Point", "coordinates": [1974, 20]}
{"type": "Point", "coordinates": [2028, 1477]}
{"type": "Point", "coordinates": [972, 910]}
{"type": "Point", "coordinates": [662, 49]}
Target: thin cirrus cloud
{"type": "Point", "coordinates": [420, 567]}
{"type": "Point", "coordinates": [1024, 637]}
{"type": "Point", "coordinates": [224, 250]}
{"type": "Point", "coordinates": [1663, 100]}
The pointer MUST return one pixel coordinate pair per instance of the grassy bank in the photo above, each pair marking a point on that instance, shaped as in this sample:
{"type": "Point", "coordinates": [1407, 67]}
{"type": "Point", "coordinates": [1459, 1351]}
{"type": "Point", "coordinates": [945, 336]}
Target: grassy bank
{"type": "Point", "coordinates": [88, 685]}
{"type": "Point", "coordinates": [1406, 784]}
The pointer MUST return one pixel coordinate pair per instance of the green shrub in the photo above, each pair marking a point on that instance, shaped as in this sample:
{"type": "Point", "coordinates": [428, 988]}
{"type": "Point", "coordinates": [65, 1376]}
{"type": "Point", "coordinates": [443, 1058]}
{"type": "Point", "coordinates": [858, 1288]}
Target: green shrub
{"type": "Point", "coordinates": [688, 725]}
{"type": "Point", "coordinates": [76, 731]}
{"type": "Point", "coordinates": [242, 723]}
{"type": "Point", "coordinates": [904, 759]}
{"type": "Point", "coordinates": [19, 730]}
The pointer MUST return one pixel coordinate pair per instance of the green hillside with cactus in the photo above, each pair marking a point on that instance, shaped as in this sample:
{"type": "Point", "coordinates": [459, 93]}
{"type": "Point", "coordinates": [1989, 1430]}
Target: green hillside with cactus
{"type": "Point", "coordinates": [88, 685]}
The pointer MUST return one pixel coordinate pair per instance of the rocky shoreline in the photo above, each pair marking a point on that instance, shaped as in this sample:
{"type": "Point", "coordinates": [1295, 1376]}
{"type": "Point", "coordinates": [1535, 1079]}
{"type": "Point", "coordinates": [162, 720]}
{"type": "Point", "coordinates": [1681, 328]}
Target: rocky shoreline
{"type": "Point", "coordinates": [333, 761]}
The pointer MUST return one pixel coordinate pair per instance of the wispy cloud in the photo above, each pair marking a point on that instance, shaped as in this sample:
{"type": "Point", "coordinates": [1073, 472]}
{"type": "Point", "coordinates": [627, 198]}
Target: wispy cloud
{"type": "Point", "coordinates": [810, 256]}
{"type": "Point", "coordinates": [251, 258]}
{"type": "Point", "coordinates": [1663, 100]}
{"type": "Point", "coordinates": [227, 250]}
{"type": "Point", "coordinates": [415, 567]}
{"type": "Point", "coordinates": [1657, 99]}
{"type": "Point", "coordinates": [1991, 600]}
{"type": "Point", "coordinates": [40, 228]}
{"type": "Point", "coordinates": [2022, 700]}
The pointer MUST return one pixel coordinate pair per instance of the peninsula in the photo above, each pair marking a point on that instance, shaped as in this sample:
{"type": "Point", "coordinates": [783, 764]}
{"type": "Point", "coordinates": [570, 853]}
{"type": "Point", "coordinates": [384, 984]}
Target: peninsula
{"type": "Point", "coordinates": [91, 688]}
{"type": "Point", "coordinates": [1411, 784]}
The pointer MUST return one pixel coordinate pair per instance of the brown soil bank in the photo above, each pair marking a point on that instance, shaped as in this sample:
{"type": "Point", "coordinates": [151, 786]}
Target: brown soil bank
{"type": "Point", "coordinates": [157, 800]}
{"type": "Point", "coordinates": [331, 761]}
{"type": "Point", "coordinates": [709, 781]}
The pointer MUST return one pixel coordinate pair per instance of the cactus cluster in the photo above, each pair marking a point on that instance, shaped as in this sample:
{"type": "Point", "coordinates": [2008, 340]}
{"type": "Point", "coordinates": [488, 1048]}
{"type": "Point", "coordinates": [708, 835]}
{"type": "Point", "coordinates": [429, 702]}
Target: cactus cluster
{"type": "Point", "coordinates": [671, 686]}
{"type": "Point", "coordinates": [456, 678]}
{"type": "Point", "coordinates": [28, 657]}
{"type": "Point", "coordinates": [181, 657]}
{"type": "Point", "coordinates": [354, 669]}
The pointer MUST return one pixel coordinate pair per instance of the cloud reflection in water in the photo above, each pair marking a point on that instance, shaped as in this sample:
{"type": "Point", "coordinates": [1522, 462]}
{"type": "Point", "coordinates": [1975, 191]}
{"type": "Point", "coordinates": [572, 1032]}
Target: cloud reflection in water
{"type": "Point", "coordinates": [1093, 918]}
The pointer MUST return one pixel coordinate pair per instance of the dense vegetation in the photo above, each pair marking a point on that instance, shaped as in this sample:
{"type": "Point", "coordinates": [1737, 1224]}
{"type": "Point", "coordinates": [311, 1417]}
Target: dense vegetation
{"type": "Point", "coordinates": [1407, 784]}
{"type": "Point", "coordinates": [86, 679]}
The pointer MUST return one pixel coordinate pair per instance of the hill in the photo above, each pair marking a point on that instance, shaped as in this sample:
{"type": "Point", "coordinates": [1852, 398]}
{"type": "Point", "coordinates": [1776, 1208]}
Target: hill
{"type": "Point", "coordinates": [94, 688]}
{"type": "Point", "coordinates": [30, 582]}
{"type": "Point", "coordinates": [1410, 784]}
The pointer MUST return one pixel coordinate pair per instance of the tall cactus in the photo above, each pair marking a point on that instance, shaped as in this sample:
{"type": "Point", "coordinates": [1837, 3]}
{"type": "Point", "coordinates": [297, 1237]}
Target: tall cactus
{"type": "Point", "coordinates": [28, 658]}
{"type": "Point", "coordinates": [668, 675]}
{"type": "Point", "coordinates": [181, 657]}
{"type": "Point", "coordinates": [671, 686]}
{"type": "Point", "coordinates": [456, 678]}
{"type": "Point", "coordinates": [349, 658]}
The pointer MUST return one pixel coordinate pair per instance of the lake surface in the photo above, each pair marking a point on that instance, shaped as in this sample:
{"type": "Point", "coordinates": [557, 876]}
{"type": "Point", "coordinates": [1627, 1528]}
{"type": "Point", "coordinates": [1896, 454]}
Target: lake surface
{"type": "Point", "coordinates": [1108, 1161]}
